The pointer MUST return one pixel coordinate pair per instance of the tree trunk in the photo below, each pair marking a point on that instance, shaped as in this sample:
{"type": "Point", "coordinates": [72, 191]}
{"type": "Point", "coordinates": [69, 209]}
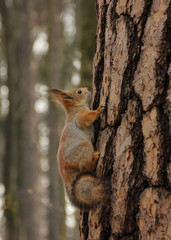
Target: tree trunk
{"type": "Point", "coordinates": [131, 78]}
{"type": "Point", "coordinates": [29, 164]}
{"type": "Point", "coordinates": [12, 123]}
{"type": "Point", "coordinates": [56, 212]}
{"type": "Point", "coordinates": [87, 27]}
{"type": "Point", "coordinates": [21, 165]}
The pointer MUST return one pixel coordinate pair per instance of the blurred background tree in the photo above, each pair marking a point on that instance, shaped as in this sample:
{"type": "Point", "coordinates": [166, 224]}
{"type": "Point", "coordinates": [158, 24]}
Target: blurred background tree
{"type": "Point", "coordinates": [87, 21]}
{"type": "Point", "coordinates": [42, 44]}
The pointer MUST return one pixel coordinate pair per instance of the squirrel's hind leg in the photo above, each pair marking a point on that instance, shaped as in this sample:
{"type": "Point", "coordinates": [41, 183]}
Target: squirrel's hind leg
{"type": "Point", "coordinates": [91, 166]}
{"type": "Point", "coordinates": [89, 157]}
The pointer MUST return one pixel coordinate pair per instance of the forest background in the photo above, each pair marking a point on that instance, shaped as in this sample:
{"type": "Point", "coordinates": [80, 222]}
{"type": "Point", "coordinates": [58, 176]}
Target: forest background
{"type": "Point", "coordinates": [42, 44]}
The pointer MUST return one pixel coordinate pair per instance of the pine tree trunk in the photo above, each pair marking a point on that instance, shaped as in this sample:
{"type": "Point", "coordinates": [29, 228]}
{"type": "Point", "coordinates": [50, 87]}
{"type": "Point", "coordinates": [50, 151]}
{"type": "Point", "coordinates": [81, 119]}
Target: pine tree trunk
{"type": "Point", "coordinates": [131, 78]}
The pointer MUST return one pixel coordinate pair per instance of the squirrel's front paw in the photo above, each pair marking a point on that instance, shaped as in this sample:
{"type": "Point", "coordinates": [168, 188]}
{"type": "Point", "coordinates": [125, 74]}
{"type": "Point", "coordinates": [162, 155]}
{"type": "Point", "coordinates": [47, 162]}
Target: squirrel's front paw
{"type": "Point", "coordinates": [96, 156]}
{"type": "Point", "coordinates": [101, 108]}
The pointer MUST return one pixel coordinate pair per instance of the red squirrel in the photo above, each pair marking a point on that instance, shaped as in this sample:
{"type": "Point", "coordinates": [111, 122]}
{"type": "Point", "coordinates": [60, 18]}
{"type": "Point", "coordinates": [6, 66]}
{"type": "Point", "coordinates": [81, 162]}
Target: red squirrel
{"type": "Point", "coordinates": [76, 156]}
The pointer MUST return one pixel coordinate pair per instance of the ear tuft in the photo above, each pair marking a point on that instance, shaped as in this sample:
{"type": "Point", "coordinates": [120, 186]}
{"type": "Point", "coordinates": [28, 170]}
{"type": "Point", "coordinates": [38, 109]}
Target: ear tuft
{"type": "Point", "coordinates": [54, 91]}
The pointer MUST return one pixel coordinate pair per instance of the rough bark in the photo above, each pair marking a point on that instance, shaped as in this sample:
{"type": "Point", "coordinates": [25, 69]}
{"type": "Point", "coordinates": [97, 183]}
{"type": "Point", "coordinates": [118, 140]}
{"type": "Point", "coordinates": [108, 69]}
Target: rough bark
{"type": "Point", "coordinates": [131, 78]}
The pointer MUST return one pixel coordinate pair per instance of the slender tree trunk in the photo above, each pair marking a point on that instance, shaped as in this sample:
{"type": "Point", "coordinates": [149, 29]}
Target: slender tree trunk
{"type": "Point", "coordinates": [56, 213]}
{"type": "Point", "coordinates": [21, 165]}
{"type": "Point", "coordinates": [87, 26]}
{"type": "Point", "coordinates": [10, 177]}
{"type": "Point", "coordinates": [131, 78]}
{"type": "Point", "coordinates": [29, 165]}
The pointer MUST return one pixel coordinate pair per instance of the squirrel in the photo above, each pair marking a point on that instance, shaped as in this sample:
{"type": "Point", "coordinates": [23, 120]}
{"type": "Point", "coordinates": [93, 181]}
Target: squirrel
{"type": "Point", "coordinates": [76, 156]}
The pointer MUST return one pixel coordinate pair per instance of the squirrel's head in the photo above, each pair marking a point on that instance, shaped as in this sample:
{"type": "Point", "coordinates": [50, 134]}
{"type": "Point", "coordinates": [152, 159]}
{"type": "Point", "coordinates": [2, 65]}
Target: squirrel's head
{"type": "Point", "coordinates": [77, 97]}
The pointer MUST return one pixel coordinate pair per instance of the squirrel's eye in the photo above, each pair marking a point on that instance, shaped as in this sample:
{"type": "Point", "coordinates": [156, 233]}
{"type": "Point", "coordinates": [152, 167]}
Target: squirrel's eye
{"type": "Point", "coordinates": [79, 92]}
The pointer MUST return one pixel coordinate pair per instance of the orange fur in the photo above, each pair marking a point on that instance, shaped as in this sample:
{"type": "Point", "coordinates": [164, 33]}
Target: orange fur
{"type": "Point", "coordinates": [76, 156]}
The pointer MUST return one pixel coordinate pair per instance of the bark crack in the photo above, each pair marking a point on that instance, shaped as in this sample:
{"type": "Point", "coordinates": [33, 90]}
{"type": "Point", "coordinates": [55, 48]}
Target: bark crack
{"type": "Point", "coordinates": [137, 182]}
{"type": "Point", "coordinates": [99, 69]}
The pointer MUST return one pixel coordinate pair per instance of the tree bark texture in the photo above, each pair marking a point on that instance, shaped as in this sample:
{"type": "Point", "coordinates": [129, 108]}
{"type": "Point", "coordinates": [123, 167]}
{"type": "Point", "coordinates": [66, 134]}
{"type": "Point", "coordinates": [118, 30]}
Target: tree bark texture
{"type": "Point", "coordinates": [131, 78]}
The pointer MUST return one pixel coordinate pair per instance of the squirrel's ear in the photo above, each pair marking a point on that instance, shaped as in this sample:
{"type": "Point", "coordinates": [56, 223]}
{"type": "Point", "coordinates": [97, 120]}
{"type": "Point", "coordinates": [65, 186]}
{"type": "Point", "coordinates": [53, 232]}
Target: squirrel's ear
{"type": "Point", "coordinates": [54, 91]}
{"type": "Point", "coordinates": [66, 96]}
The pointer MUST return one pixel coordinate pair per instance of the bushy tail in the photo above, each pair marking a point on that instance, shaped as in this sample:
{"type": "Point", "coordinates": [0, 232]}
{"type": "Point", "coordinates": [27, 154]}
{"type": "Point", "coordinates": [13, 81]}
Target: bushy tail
{"type": "Point", "coordinates": [88, 191]}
